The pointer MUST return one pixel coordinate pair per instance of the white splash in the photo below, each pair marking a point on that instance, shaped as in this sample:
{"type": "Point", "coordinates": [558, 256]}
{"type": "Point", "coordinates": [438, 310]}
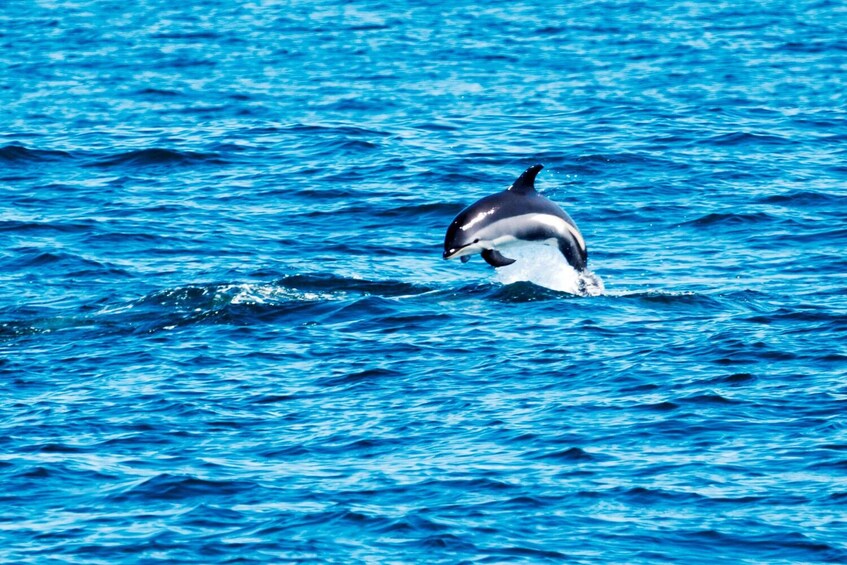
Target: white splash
{"type": "Point", "coordinates": [545, 266]}
{"type": "Point", "coordinates": [268, 293]}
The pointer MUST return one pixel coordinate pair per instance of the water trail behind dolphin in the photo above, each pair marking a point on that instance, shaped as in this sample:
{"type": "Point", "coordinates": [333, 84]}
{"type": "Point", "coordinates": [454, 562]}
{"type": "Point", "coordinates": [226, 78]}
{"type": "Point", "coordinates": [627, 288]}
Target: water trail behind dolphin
{"type": "Point", "coordinates": [545, 266]}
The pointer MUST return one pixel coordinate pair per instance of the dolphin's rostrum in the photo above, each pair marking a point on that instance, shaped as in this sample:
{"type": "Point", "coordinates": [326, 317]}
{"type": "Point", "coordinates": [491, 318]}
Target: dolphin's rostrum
{"type": "Point", "coordinates": [518, 214]}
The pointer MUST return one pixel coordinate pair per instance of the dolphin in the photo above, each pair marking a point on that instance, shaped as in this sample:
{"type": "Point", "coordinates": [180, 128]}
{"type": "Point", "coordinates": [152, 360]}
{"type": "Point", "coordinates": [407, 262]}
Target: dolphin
{"type": "Point", "coordinates": [518, 214]}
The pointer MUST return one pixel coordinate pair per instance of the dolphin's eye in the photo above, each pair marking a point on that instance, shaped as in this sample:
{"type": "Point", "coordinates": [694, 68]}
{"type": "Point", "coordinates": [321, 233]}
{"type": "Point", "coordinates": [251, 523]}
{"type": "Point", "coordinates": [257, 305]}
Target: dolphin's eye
{"type": "Point", "coordinates": [476, 240]}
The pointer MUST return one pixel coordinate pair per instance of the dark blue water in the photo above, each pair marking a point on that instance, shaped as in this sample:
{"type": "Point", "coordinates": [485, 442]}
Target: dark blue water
{"type": "Point", "coordinates": [227, 333]}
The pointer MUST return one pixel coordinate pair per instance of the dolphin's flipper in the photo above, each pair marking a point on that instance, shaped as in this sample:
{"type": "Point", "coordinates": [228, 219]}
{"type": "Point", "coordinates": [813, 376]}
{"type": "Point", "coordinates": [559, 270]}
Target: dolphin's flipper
{"type": "Point", "coordinates": [495, 258]}
{"type": "Point", "coordinates": [465, 258]}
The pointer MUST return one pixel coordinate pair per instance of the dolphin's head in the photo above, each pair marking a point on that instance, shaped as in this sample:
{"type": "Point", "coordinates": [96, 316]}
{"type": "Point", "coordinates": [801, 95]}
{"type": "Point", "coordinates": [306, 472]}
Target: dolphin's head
{"type": "Point", "coordinates": [463, 237]}
{"type": "Point", "coordinates": [458, 243]}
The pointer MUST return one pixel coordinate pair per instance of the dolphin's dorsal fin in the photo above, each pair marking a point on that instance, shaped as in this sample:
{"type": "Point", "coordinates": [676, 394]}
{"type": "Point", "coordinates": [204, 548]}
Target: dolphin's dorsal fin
{"type": "Point", "coordinates": [526, 182]}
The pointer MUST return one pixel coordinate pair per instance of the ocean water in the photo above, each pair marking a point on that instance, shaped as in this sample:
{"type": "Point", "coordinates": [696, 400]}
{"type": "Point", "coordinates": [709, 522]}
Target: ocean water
{"type": "Point", "coordinates": [227, 333]}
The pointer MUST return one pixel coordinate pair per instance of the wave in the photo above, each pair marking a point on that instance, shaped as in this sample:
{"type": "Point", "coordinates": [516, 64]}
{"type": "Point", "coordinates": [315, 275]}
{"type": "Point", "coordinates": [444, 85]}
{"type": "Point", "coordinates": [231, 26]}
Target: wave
{"type": "Point", "coordinates": [364, 304]}
{"type": "Point", "coordinates": [801, 317]}
{"type": "Point", "coordinates": [343, 130]}
{"type": "Point", "coordinates": [227, 303]}
{"type": "Point", "coordinates": [180, 487]}
{"type": "Point", "coordinates": [327, 282]}
{"type": "Point", "coordinates": [350, 145]}
{"type": "Point", "coordinates": [157, 156]}
{"type": "Point", "coordinates": [731, 219]}
{"type": "Point", "coordinates": [70, 263]}
{"type": "Point", "coordinates": [522, 291]}
{"type": "Point", "coordinates": [157, 92]}
{"type": "Point", "coordinates": [572, 455]}
{"type": "Point", "coordinates": [437, 126]}
{"type": "Point", "coordinates": [31, 226]}
{"type": "Point", "coordinates": [745, 138]}
{"type": "Point", "coordinates": [804, 198]}
{"type": "Point", "coordinates": [438, 209]}
{"type": "Point", "coordinates": [298, 296]}
{"type": "Point", "coordinates": [186, 35]}
{"type": "Point", "coordinates": [21, 154]}
{"type": "Point", "coordinates": [656, 297]}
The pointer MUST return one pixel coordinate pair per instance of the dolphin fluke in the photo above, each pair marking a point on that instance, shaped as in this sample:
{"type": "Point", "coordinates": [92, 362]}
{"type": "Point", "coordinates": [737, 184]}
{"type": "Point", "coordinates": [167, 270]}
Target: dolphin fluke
{"type": "Point", "coordinates": [495, 258]}
{"type": "Point", "coordinates": [526, 182]}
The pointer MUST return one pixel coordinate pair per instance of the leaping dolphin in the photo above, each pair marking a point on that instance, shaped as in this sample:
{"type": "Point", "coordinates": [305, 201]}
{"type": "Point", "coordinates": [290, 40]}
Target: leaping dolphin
{"type": "Point", "coordinates": [518, 214]}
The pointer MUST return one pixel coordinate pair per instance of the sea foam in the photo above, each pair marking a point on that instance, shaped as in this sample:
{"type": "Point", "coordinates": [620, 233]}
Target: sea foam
{"type": "Point", "coordinates": [545, 266]}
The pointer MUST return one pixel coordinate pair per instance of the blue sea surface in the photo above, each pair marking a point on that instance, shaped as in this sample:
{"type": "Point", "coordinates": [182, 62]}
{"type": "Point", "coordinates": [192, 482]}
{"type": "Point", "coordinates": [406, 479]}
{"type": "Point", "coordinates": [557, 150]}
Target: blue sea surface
{"type": "Point", "coordinates": [227, 333]}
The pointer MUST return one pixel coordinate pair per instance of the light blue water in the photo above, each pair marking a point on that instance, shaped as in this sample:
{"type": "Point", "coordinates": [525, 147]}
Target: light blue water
{"type": "Point", "coordinates": [227, 333]}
